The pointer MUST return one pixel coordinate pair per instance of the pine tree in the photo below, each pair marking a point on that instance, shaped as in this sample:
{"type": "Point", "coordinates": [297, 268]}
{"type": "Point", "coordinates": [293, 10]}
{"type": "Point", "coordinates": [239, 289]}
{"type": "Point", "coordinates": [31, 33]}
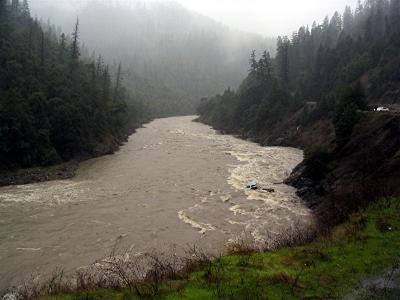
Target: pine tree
{"type": "Point", "coordinates": [62, 49]}
{"type": "Point", "coordinates": [359, 8]}
{"type": "Point", "coordinates": [106, 84]}
{"type": "Point", "coordinates": [25, 11]}
{"type": "Point", "coordinates": [118, 81]}
{"type": "Point", "coordinates": [348, 20]}
{"type": "Point", "coordinates": [99, 66]}
{"type": "Point", "coordinates": [283, 60]}
{"type": "Point", "coordinates": [93, 81]}
{"type": "Point", "coordinates": [75, 52]}
{"type": "Point", "coordinates": [30, 36]}
{"type": "Point", "coordinates": [42, 49]}
{"type": "Point", "coordinates": [253, 64]}
{"type": "Point", "coordinates": [265, 67]}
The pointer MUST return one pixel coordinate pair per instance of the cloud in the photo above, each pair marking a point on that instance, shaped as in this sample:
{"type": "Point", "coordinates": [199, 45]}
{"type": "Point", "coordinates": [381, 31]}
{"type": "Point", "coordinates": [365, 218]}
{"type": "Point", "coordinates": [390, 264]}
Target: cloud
{"type": "Point", "coordinates": [266, 17]}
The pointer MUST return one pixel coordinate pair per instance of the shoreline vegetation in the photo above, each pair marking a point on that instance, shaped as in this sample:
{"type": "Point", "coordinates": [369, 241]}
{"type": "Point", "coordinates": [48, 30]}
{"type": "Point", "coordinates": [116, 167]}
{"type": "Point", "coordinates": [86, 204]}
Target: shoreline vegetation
{"type": "Point", "coordinates": [317, 93]}
{"type": "Point", "coordinates": [61, 171]}
{"type": "Point", "coordinates": [357, 259]}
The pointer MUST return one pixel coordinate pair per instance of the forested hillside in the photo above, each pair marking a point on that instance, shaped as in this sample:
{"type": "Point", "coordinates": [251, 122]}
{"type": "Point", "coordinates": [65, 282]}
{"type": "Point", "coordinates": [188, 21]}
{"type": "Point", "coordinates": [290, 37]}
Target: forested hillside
{"type": "Point", "coordinates": [172, 56]}
{"type": "Point", "coordinates": [314, 67]}
{"type": "Point", "coordinates": [319, 94]}
{"type": "Point", "coordinates": [54, 106]}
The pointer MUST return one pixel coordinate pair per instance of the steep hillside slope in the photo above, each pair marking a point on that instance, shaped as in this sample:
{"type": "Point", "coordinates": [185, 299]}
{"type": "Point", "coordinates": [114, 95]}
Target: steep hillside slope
{"type": "Point", "coordinates": [54, 105]}
{"type": "Point", "coordinates": [169, 47]}
{"type": "Point", "coordinates": [365, 168]}
{"type": "Point", "coordinates": [319, 93]}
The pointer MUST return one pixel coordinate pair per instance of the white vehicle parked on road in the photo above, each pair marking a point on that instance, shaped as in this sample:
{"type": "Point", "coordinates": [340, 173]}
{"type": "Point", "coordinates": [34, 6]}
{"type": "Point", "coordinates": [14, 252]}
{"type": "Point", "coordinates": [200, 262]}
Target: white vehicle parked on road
{"type": "Point", "coordinates": [382, 108]}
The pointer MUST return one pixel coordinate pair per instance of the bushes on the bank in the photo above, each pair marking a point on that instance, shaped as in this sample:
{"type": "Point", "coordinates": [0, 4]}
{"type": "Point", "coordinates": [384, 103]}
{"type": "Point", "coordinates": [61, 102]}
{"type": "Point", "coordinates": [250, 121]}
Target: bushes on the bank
{"type": "Point", "coordinates": [328, 268]}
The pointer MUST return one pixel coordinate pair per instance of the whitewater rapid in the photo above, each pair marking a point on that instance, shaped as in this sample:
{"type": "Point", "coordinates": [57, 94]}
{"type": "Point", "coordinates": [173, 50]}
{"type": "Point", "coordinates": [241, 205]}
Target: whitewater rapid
{"type": "Point", "coordinates": [175, 183]}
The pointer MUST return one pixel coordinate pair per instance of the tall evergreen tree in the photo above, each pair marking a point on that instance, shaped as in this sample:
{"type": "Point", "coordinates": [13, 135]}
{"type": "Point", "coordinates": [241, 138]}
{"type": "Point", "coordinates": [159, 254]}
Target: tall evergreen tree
{"type": "Point", "coordinates": [118, 81]}
{"type": "Point", "coordinates": [62, 49]}
{"type": "Point", "coordinates": [348, 20]}
{"type": "Point", "coordinates": [253, 64]}
{"type": "Point", "coordinates": [283, 60]}
{"type": "Point", "coordinates": [106, 84]}
{"type": "Point", "coordinates": [75, 51]}
{"type": "Point", "coordinates": [265, 67]}
{"type": "Point", "coordinates": [25, 11]}
{"type": "Point", "coordinates": [42, 48]}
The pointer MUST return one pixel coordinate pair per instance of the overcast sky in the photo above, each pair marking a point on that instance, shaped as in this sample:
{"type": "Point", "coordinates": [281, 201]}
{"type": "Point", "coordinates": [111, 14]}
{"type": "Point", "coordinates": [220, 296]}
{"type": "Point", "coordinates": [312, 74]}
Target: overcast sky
{"type": "Point", "coordinates": [266, 17]}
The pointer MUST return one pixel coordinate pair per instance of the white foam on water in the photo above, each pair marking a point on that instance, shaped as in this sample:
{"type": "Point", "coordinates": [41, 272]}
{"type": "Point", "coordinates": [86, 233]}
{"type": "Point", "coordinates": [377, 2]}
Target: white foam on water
{"type": "Point", "coordinates": [202, 227]}
{"type": "Point", "coordinates": [49, 193]}
{"type": "Point", "coordinates": [261, 213]}
{"type": "Point", "coordinates": [29, 249]}
{"type": "Point", "coordinates": [225, 198]}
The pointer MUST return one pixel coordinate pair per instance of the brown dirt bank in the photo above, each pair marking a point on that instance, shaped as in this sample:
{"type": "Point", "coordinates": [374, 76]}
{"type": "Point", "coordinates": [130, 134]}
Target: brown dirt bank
{"type": "Point", "coordinates": [39, 174]}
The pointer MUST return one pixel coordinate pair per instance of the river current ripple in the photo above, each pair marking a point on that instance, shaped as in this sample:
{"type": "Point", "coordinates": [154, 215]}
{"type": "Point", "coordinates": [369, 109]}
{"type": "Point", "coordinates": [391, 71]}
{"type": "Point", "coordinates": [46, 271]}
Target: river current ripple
{"type": "Point", "coordinates": [175, 183]}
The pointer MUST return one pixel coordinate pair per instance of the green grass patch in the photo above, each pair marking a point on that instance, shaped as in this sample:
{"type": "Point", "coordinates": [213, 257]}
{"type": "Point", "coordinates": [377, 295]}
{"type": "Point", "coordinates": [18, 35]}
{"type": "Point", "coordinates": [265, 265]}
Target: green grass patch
{"type": "Point", "coordinates": [331, 267]}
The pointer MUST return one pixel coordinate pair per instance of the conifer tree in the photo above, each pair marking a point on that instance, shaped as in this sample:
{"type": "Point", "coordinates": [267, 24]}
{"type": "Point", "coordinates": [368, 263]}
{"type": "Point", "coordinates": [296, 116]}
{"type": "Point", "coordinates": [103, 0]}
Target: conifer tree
{"type": "Point", "coordinates": [265, 67]}
{"type": "Point", "coordinates": [283, 60]}
{"type": "Point", "coordinates": [348, 20]}
{"type": "Point", "coordinates": [25, 11]}
{"type": "Point", "coordinates": [99, 66]}
{"type": "Point", "coordinates": [75, 52]}
{"type": "Point", "coordinates": [118, 81]}
{"type": "Point", "coordinates": [253, 64]}
{"type": "Point", "coordinates": [62, 49]}
{"type": "Point", "coordinates": [42, 48]}
{"type": "Point", "coordinates": [106, 84]}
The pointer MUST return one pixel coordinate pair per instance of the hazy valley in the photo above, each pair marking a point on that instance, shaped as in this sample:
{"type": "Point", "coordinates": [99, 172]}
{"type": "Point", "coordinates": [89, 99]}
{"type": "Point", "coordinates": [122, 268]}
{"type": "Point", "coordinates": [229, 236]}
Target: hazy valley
{"type": "Point", "coordinates": [148, 150]}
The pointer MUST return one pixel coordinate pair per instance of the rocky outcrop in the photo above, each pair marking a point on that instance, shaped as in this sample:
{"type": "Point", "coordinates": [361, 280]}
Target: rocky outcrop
{"type": "Point", "coordinates": [365, 168]}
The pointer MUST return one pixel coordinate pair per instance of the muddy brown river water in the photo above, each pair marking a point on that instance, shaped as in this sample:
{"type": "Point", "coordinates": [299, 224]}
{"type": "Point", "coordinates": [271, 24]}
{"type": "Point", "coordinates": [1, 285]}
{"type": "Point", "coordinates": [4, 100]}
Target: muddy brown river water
{"type": "Point", "coordinates": [175, 183]}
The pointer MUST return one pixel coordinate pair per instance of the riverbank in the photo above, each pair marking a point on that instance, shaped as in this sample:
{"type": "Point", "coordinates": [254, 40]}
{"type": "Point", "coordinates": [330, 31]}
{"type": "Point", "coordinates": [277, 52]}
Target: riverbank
{"type": "Point", "coordinates": [64, 170]}
{"type": "Point", "coordinates": [39, 174]}
{"type": "Point", "coordinates": [174, 183]}
{"type": "Point", "coordinates": [349, 258]}
{"type": "Point", "coordinates": [339, 180]}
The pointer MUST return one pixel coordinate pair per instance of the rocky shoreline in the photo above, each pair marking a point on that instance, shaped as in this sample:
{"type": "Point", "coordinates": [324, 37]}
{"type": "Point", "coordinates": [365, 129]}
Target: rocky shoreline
{"type": "Point", "coordinates": [39, 174]}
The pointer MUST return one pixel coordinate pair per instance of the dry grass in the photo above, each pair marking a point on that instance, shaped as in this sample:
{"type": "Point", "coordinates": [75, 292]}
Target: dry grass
{"type": "Point", "coordinates": [144, 275]}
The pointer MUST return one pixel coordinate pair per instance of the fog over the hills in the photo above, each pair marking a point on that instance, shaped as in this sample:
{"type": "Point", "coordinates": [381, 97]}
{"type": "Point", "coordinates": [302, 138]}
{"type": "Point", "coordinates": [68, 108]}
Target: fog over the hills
{"type": "Point", "coordinates": [175, 52]}
{"type": "Point", "coordinates": [168, 53]}
{"type": "Point", "coordinates": [265, 17]}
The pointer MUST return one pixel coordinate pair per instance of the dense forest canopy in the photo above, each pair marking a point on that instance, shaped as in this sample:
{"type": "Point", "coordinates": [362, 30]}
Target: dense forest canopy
{"type": "Point", "coordinates": [54, 106]}
{"type": "Point", "coordinates": [172, 56]}
{"type": "Point", "coordinates": [338, 65]}
{"type": "Point", "coordinates": [61, 100]}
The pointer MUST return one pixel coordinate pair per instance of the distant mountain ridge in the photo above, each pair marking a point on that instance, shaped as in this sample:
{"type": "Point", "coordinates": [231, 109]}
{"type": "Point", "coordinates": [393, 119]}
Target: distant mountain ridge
{"type": "Point", "coordinates": [164, 44]}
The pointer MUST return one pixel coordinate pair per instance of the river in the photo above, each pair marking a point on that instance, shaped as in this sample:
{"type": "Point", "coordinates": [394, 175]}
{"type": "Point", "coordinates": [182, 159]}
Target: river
{"type": "Point", "coordinates": [174, 183]}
